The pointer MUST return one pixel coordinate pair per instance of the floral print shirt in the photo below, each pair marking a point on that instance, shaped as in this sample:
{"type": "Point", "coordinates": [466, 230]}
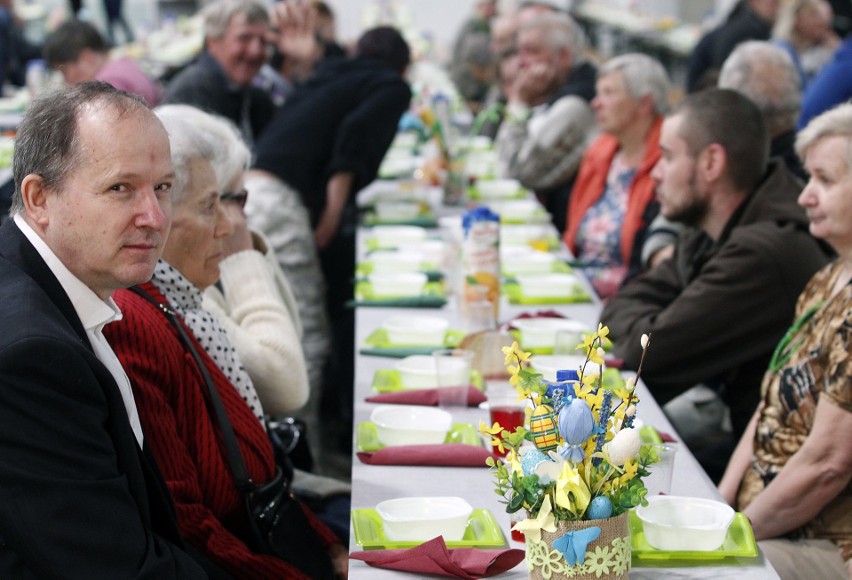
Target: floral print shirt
{"type": "Point", "coordinates": [820, 365]}
{"type": "Point", "coordinates": [599, 237]}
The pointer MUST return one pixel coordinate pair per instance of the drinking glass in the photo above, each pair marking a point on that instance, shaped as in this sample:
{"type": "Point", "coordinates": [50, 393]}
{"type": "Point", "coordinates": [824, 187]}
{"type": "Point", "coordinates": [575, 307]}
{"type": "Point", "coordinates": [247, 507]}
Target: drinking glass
{"type": "Point", "coordinates": [453, 368]}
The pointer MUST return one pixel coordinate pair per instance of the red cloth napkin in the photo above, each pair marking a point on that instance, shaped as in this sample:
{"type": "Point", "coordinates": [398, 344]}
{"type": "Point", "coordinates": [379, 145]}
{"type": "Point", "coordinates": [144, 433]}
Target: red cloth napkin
{"type": "Point", "coordinates": [427, 397]}
{"type": "Point", "coordinates": [540, 314]}
{"type": "Point", "coordinates": [666, 437]}
{"type": "Point", "coordinates": [445, 454]}
{"type": "Point", "coordinates": [433, 557]}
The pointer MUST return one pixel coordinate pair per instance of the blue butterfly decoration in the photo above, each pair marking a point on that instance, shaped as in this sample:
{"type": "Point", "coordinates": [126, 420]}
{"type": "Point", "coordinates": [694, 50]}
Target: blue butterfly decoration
{"type": "Point", "coordinates": [573, 544]}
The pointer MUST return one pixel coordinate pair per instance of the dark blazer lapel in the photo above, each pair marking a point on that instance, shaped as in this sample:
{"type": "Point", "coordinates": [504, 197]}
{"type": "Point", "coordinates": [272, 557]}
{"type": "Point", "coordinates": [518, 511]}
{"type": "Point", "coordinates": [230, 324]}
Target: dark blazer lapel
{"type": "Point", "coordinates": [15, 246]}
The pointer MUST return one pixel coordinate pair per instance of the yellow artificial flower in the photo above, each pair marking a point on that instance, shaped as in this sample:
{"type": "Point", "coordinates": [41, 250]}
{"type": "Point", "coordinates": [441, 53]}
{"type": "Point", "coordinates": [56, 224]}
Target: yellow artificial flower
{"type": "Point", "coordinates": [623, 394]}
{"type": "Point", "coordinates": [568, 485]}
{"type": "Point", "coordinates": [532, 527]}
{"type": "Point", "coordinates": [603, 331]}
{"type": "Point", "coordinates": [494, 431]}
{"type": "Point", "coordinates": [596, 355]}
{"type": "Point", "coordinates": [509, 351]}
{"type": "Point", "coordinates": [514, 353]}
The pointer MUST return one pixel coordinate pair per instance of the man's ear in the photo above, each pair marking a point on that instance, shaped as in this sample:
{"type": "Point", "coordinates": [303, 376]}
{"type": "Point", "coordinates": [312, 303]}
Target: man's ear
{"type": "Point", "coordinates": [713, 162]}
{"type": "Point", "coordinates": [35, 198]}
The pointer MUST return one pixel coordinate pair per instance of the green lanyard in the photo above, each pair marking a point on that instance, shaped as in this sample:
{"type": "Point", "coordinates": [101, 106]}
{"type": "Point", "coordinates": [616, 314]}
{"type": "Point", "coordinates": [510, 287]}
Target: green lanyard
{"type": "Point", "coordinates": [784, 351]}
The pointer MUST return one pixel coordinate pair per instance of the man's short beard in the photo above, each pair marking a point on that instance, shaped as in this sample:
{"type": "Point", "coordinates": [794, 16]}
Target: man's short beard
{"type": "Point", "coordinates": [692, 214]}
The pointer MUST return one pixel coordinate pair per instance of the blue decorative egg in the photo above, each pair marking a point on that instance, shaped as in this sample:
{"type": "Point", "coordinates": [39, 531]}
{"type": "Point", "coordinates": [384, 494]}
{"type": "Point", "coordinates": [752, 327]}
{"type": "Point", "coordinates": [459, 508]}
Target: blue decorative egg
{"type": "Point", "coordinates": [600, 508]}
{"type": "Point", "coordinates": [544, 428]}
{"type": "Point", "coordinates": [531, 459]}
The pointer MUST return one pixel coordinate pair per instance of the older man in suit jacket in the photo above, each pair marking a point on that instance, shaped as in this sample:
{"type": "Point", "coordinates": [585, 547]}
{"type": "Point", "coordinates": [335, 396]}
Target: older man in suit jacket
{"type": "Point", "coordinates": [79, 497]}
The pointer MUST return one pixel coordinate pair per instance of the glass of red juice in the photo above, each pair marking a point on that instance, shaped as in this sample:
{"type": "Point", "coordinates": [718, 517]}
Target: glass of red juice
{"type": "Point", "coordinates": [510, 415]}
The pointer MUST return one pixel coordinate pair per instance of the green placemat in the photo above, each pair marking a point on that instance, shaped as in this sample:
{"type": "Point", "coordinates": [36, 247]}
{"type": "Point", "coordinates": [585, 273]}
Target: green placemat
{"type": "Point", "coordinates": [482, 531]}
{"type": "Point", "coordinates": [512, 290]}
{"type": "Point", "coordinates": [424, 220]}
{"type": "Point", "coordinates": [557, 267]}
{"type": "Point", "coordinates": [474, 193]}
{"type": "Point", "coordinates": [379, 345]}
{"type": "Point", "coordinates": [373, 244]}
{"type": "Point", "coordinates": [365, 268]}
{"type": "Point", "coordinates": [432, 297]}
{"type": "Point", "coordinates": [389, 380]}
{"type": "Point", "coordinates": [367, 436]}
{"type": "Point", "coordinates": [537, 217]}
{"type": "Point", "coordinates": [739, 543]}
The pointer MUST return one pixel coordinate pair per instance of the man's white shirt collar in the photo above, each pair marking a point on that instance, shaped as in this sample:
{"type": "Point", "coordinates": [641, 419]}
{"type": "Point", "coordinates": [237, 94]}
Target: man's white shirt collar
{"type": "Point", "coordinates": [94, 313]}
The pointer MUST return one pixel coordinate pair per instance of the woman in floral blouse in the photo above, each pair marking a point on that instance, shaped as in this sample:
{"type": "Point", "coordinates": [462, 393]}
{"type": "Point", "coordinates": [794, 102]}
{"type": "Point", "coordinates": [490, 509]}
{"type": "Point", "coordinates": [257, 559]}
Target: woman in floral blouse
{"type": "Point", "coordinates": [791, 471]}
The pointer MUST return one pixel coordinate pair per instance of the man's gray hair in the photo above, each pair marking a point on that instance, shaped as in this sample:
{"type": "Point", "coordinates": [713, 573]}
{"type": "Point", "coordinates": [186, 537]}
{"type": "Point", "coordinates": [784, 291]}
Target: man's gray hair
{"type": "Point", "coordinates": [188, 141]}
{"type": "Point", "coordinates": [836, 122]}
{"type": "Point", "coordinates": [766, 74]}
{"type": "Point", "coordinates": [47, 140]}
{"type": "Point", "coordinates": [642, 76]}
{"type": "Point", "coordinates": [218, 14]}
{"type": "Point", "coordinates": [559, 31]}
{"type": "Point", "coordinates": [231, 154]}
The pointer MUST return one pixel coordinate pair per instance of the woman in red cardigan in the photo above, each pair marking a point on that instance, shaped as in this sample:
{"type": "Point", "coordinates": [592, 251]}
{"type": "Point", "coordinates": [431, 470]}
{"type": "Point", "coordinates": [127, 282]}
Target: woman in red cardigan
{"type": "Point", "coordinates": [169, 388]}
{"type": "Point", "coordinates": [608, 208]}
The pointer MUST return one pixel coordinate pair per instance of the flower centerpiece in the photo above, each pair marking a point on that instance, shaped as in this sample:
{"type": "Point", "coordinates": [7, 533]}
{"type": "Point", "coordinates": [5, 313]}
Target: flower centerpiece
{"type": "Point", "coordinates": [576, 469]}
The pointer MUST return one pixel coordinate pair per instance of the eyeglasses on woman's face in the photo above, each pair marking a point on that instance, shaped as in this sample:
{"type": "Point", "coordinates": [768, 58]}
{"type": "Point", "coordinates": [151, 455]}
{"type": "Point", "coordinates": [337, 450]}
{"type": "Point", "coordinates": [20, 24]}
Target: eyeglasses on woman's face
{"type": "Point", "coordinates": [238, 197]}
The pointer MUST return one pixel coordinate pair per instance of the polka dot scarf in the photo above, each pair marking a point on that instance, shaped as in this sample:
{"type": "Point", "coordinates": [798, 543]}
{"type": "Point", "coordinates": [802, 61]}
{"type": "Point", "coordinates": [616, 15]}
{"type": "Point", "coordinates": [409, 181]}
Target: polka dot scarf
{"type": "Point", "coordinates": [186, 300]}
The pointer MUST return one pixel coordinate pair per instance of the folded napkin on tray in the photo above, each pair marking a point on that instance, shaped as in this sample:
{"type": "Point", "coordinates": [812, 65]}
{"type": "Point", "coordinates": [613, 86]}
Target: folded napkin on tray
{"type": "Point", "coordinates": [433, 557]}
{"type": "Point", "coordinates": [444, 454]}
{"type": "Point", "coordinates": [426, 397]}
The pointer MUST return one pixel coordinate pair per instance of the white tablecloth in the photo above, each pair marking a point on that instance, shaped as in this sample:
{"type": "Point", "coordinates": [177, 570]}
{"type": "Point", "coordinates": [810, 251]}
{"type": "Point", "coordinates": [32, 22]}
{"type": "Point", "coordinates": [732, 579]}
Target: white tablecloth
{"type": "Point", "coordinates": [372, 484]}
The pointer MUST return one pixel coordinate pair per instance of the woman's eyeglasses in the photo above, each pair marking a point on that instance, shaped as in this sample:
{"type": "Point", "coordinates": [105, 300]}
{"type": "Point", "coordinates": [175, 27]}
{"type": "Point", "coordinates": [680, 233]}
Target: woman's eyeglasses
{"type": "Point", "coordinates": [237, 196]}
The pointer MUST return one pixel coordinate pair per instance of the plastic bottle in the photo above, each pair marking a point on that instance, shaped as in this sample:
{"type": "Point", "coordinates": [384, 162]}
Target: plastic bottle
{"type": "Point", "coordinates": [480, 251]}
{"type": "Point", "coordinates": [35, 76]}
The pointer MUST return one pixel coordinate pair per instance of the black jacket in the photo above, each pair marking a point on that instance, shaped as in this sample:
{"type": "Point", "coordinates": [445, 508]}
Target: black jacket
{"type": "Point", "coordinates": [343, 119]}
{"type": "Point", "coordinates": [78, 498]}
{"type": "Point", "coordinates": [718, 309]}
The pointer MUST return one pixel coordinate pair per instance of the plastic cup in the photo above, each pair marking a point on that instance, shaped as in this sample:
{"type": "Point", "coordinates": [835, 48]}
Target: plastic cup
{"type": "Point", "coordinates": [505, 409]}
{"type": "Point", "coordinates": [453, 368]}
{"type": "Point", "coordinates": [659, 482]}
{"type": "Point", "coordinates": [566, 342]}
{"type": "Point", "coordinates": [479, 315]}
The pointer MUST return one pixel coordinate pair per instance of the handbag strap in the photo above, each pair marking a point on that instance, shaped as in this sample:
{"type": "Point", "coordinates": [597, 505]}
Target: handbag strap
{"type": "Point", "coordinates": [235, 457]}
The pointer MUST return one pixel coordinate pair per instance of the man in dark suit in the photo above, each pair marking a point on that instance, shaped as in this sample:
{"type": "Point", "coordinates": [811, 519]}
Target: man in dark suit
{"type": "Point", "coordinates": [79, 498]}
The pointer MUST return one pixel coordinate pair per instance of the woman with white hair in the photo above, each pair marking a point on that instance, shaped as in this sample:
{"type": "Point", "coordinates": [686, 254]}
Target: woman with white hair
{"type": "Point", "coordinates": [173, 375]}
{"type": "Point", "coordinates": [252, 299]}
{"type": "Point", "coordinates": [791, 472]}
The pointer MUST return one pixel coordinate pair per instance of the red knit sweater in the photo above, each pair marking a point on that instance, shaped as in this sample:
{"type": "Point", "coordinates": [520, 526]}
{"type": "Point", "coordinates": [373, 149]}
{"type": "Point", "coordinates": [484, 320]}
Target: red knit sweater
{"type": "Point", "coordinates": [184, 436]}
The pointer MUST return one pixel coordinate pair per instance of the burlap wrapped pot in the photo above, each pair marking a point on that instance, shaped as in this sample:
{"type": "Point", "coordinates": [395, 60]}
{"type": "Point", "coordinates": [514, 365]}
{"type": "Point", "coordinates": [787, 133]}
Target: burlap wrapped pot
{"type": "Point", "coordinates": [607, 557]}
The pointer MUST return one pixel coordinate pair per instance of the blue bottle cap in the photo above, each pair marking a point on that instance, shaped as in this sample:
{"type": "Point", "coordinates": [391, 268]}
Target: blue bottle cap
{"type": "Point", "coordinates": [567, 375]}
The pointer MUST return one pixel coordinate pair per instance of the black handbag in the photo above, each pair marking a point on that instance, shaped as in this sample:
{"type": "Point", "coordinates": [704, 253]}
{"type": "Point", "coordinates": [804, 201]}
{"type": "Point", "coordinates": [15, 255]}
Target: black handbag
{"type": "Point", "coordinates": [277, 523]}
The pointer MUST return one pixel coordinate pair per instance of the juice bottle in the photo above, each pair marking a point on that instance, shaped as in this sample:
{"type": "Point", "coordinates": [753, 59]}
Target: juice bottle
{"type": "Point", "coordinates": [480, 259]}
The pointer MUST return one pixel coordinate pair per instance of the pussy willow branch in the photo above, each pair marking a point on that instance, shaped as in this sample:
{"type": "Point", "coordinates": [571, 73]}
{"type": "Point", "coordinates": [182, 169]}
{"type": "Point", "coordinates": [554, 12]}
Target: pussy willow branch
{"type": "Point", "coordinates": [642, 359]}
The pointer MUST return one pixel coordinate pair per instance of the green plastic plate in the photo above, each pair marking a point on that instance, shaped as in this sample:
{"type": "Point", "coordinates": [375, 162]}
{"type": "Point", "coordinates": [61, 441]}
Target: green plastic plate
{"type": "Point", "coordinates": [512, 291]}
{"type": "Point", "coordinates": [377, 344]}
{"type": "Point", "coordinates": [739, 543]}
{"type": "Point", "coordinates": [558, 267]}
{"type": "Point", "coordinates": [367, 436]}
{"type": "Point", "coordinates": [432, 297]}
{"type": "Point", "coordinates": [389, 380]}
{"type": "Point", "coordinates": [482, 531]}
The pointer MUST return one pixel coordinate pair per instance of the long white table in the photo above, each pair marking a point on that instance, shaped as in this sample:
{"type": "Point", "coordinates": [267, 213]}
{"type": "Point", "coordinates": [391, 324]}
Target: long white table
{"type": "Point", "coordinates": [372, 484]}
